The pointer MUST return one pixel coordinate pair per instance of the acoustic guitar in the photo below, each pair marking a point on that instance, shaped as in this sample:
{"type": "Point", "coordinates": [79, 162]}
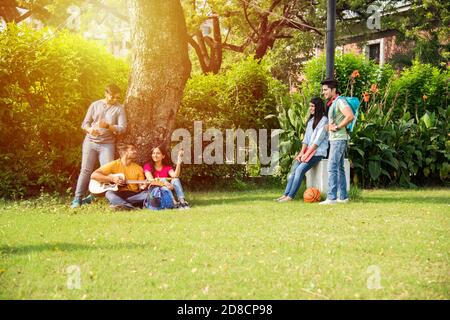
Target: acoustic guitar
{"type": "Point", "coordinates": [97, 187]}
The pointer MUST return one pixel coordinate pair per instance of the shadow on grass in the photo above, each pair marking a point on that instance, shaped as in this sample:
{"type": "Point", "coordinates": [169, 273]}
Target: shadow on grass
{"type": "Point", "coordinates": [233, 200]}
{"type": "Point", "coordinates": [250, 197]}
{"type": "Point", "coordinates": [61, 247]}
{"type": "Point", "coordinates": [407, 199]}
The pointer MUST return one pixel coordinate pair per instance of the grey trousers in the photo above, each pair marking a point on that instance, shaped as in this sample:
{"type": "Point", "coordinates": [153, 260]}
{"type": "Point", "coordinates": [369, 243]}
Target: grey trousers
{"type": "Point", "coordinates": [91, 152]}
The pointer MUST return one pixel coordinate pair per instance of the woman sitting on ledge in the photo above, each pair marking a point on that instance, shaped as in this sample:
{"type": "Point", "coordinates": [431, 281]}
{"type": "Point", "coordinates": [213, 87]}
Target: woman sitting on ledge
{"type": "Point", "coordinates": [314, 148]}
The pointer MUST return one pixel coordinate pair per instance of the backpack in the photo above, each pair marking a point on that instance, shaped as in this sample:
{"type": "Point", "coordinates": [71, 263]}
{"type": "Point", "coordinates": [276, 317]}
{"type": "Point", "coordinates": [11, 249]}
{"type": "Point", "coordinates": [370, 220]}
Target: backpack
{"type": "Point", "coordinates": [354, 104]}
{"type": "Point", "coordinates": [159, 198]}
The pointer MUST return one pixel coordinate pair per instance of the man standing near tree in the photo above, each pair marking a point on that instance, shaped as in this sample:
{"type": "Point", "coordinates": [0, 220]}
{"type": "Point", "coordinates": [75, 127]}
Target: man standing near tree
{"type": "Point", "coordinates": [340, 115]}
{"type": "Point", "coordinates": [104, 120]}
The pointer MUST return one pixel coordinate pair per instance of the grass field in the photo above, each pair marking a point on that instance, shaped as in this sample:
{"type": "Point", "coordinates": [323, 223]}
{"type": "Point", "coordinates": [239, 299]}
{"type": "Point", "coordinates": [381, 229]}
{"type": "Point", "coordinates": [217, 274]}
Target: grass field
{"type": "Point", "coordinates": [390, 244]}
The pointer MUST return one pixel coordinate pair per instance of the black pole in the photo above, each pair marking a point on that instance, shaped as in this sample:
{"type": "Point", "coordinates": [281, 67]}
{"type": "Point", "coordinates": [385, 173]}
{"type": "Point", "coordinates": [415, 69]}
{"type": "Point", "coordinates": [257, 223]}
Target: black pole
{"type": "Point", "coordinates": [331, 30]}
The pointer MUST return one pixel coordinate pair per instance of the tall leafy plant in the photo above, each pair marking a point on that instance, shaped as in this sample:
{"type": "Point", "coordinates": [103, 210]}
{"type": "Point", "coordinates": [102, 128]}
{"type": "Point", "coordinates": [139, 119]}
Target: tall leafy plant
{"type": "Point", "coordinates": [292, 115]}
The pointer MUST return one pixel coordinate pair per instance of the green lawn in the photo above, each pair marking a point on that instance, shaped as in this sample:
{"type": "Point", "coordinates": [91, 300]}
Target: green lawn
{"type": "Point", "coordinates": [231, 246]}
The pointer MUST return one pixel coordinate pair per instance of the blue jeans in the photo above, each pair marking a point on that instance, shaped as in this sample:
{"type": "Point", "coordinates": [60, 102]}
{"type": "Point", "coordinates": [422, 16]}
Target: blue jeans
{"type": "Point", "coordinates": [336, 171]}
{"type": "Point", "coordinates": [298, 171]}
{"type": "Point", "coordinates": [91, 152]}
{"type": "Point", "coordinates": [126, 198]}
{"type": "Point", "coordinates": [177, 187]}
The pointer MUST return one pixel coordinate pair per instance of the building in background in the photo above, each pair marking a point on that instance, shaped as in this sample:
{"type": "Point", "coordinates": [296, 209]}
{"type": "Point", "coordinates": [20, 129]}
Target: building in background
{"type": "Point", "coordinates": [378, 44]}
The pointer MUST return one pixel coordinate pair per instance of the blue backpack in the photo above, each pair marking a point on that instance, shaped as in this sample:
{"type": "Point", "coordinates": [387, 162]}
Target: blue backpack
{"type": "Point", "coordinates": [354, 104]}
{"type": "Point", "coordinates": [159, 198]}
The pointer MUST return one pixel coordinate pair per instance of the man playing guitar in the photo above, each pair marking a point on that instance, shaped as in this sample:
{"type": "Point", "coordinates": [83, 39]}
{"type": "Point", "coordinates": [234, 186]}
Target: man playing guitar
{"type": "Point", "coordinates": [129, 195]}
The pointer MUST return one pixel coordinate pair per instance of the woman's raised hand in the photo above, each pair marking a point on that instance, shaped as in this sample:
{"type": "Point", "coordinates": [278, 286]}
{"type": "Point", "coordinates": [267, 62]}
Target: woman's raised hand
{"type": "Point", "coordinates": [180, 156]}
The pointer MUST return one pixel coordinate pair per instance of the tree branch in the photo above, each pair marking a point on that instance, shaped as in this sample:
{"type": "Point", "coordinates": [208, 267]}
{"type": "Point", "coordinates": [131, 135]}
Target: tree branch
{"type": "Point", "coordinates": [216, 47]}
{"type": "Point", "coordinates": [228, 33]}
{"type": "Point", "coordinates": [274, 5]}
{"type": "Point", "coordinates": [245, 4]}
{"type": "Point", "coordinates": [276, 24]}
{"type": "Point", "coordinates": [201, 44]}
{"type": "Point", "coordinates": [199, 52]}
{"type": "Point", "coordinates": [302, 27]}
{"type": "Point", "coordinates": [236, 48]}
{"type": "Point", "coordinates": [210, 61]}
{"type": "Point", "coordinates": [304, 20]}
{"type": "Point", "coordinates": [283, 36]}
{"type": "Point", "coordinates": [24, 16]}
{"type": "Point", "coordinates": [8, 10]}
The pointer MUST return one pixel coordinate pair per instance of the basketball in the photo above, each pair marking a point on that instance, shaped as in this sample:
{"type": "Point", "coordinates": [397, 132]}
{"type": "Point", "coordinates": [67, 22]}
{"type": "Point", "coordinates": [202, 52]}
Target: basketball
{"type": "Point", "coordinates": [311, 195]}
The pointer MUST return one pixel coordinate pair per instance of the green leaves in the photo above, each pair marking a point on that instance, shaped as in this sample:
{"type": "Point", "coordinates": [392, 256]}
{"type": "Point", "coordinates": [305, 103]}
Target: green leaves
{"type": "Point", "coordinates": [374, 169]}
{"type": "Point", "coordinates": [292, 115]}
{"type": "Point", "coordinates": [47, 83]}
{"type": "Point", "coordinates": [387, 151]}
{"type": "Point", "coordinates": [242, 97]}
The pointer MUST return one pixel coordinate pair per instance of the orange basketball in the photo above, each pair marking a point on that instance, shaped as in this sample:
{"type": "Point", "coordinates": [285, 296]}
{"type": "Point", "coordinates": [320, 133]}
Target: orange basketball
{"type": "Point", "coordinates": [311, 195]}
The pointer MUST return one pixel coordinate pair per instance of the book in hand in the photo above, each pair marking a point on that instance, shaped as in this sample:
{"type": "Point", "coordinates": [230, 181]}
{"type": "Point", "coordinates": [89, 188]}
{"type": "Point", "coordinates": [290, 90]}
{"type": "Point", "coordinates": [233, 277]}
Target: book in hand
{"type": "Point", "coordinates": [309, 153]}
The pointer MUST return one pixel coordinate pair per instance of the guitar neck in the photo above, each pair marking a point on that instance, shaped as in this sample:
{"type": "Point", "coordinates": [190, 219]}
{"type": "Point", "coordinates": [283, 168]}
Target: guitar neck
{"type": "Point", "coordinates": [136, 181]}
{"type": "Point", "coordinates": [145, 181]}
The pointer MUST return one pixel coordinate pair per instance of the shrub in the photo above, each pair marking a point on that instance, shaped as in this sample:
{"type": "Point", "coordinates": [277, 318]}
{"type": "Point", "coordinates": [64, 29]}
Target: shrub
{"type": "Point", "coordinates": [369, 73]}
{"type": "Point", "coordinates": [241, 98]}
{"type": "Point", "coordinates": [46, 85]}
{"type": "Point", "coordinates": [292, 115]}
{"type": "Point", "coordinates": [387, 150]}
{"type": "Point", "coordinates": [420, 88]}
{"type": "Point", "coordinates": [398, 139]}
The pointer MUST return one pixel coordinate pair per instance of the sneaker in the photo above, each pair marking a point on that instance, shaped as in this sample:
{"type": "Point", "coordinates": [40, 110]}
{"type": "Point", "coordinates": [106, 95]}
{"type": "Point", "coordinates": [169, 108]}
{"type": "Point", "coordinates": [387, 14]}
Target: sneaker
{"type": "Point", "coordinates": [328, 201]}
{"type": "Point", "coordinates": [280, 198]}
{"type": "Point", "coordinates": [342, 201]}
{"type": "Point", "coordinates": [88, 200]}
{"type": "Point", "coordinates": [184, 205]}
{"type": "Point", "coordinates": [76, 203]}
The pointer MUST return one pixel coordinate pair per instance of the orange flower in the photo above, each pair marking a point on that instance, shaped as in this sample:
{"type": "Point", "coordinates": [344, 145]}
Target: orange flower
{"type": "Point", "coordinates": [366, 97]}
{"type": "Point", "coordinates": [355, 74]}
{"type": "Point", "coordinates": [374, 88]}
{"type": "Point", "coordinates": [424, 97]}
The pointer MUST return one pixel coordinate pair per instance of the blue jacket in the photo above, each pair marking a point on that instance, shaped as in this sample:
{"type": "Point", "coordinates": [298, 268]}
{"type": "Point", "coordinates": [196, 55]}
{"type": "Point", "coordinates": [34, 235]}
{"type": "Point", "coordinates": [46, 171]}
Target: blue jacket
{"type": "Point", "coordinates": [318, 136]}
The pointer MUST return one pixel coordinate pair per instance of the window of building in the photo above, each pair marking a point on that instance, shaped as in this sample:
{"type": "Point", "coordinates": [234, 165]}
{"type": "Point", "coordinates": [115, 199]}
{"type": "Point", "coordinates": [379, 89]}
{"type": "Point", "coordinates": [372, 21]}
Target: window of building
{"type": "Point", "coordinates": [374, 52]}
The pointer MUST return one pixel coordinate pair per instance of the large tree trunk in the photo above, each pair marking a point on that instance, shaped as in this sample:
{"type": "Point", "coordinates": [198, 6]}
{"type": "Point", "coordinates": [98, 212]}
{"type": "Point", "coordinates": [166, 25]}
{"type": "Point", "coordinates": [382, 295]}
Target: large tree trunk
{"type": "Point", "coordinates": [8, 10]}
{"type": "Point", "coordinates": [160, 69]}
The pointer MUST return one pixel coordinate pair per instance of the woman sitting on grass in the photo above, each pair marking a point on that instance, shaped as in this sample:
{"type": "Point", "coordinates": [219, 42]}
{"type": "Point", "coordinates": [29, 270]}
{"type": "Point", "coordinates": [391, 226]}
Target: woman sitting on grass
{"type": "Point", "coordinates": [159, 168]}
{"type": "Point", "coordinates": [314, 148]}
